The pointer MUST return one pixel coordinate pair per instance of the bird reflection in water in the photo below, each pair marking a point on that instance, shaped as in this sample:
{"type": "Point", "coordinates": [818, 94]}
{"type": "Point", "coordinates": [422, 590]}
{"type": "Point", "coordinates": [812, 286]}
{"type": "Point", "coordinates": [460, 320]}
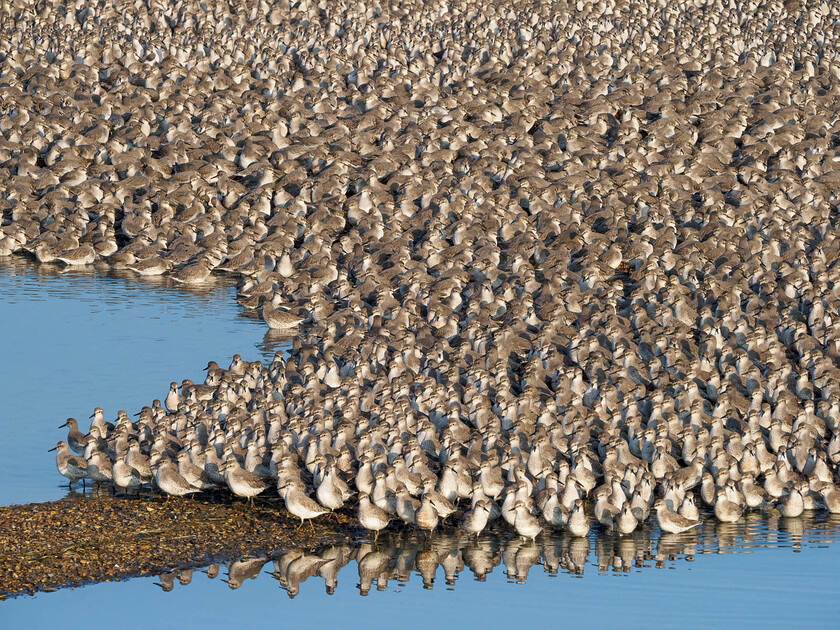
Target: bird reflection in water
{"type": "Point", "coordinates": [400, 557]}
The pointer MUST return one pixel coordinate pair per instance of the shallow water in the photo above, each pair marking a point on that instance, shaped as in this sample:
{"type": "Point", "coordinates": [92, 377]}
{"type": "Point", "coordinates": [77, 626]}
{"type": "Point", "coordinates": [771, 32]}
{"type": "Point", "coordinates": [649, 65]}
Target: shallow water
{"type": "Point", "coordinates": [75, 340]}
{"type": "Point", "coordinates": [759, 572]}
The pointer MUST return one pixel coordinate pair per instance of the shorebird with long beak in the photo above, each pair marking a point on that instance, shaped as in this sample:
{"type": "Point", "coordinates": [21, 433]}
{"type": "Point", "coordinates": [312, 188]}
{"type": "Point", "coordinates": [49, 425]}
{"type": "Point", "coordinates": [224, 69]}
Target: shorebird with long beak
{"type": "Point", "coordinates": [300, 505]}
{"type": "Point", "coordinates": [71, 466]}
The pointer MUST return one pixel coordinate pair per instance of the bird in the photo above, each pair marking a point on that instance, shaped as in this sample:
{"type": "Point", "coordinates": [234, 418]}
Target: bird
{"type": "Point", "coordinates": [73, 467]}
{"type": "Point", "coordinates": [170, 482]}
{"type": "Point", "coordinates": [328, 493]}
{"type": "Point", "coordinates": [300, 505]}
{"type": "Point", "coordinates": [625, 522]}
{"type": "Point", "coordinates": [477, 518]}
{"type": "Point", "coordinates": [241, 482]}
{"type": "Point", "coordinates": [831, 498]}
{"type": "Point", "coordinates": [688, 508]}
{"type": "Point", "coordinates": [173, 398]}
{"type": "Point", "coordinates": [99, 468]}
{"type": "Point", "coordinates": [671, 522]}
{"type": "Point", "coordinates": [426, 516]}
{"type": "Point", "coordinates": [194, 475]}
{"type": "Point", "coordinates": [578, 523]}
{"type": "Point", "coordinates": [525, 523]}
{"type": "Point", "coordinates": [727, 511]}
{"type": "Point", "coordinates": [554, 512]}
{"type": "Point", "coordinates": [124, 476]}
{"type": "Point", "coordinates": [194, 273]}
{"type": "Point", "coordinates": [440, 503]}
{"type": "Point", "coordinates": [138, 461]}
{"type": "Point", "coordinates": [75, 438]}
{"type": "Point", "coordinates": [98, 420]}
{"type": "Point", "coordinates": [371, 517]}
{"type": "Point", "coordinates": [279, 319]}
{"type": "Point", "coordinates": [793, 504]}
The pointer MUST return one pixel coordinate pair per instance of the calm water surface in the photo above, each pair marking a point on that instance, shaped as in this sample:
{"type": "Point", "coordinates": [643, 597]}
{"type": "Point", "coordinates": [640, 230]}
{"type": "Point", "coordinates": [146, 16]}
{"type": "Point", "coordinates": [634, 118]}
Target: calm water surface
{"type": "Point", "coordinates": [76, 340]}
{"type": "Point", "coordinates": [756, 573]}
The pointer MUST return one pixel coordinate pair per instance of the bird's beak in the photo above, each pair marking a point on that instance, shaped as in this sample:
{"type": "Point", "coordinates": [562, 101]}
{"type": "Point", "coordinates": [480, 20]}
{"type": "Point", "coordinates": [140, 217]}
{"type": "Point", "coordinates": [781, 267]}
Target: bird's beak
{"type": "Point", "coordinates": [61, 426]}
{"type": "Point", "coordinates": [91, 415]}
{"type": "Point", "coordinates": [54, 448]}
{"type": "Point", "coordinates": [136, 414]}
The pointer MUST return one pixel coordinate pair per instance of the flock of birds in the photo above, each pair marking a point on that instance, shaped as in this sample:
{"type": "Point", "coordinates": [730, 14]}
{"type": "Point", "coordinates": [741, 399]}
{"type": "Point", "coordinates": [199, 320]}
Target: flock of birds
{"type": "Point", "coordinates": [551, 262]}
{"type": "Point", "coordinates": [418, 467]}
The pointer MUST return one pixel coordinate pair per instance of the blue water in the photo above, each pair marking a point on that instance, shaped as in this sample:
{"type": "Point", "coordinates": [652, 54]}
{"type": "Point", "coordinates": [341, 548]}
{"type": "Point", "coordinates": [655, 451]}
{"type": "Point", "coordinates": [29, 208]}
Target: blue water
{"type": "Point", "coordinates": [73, 341]}
{"type": "Point", "coordinates": [747, 574]}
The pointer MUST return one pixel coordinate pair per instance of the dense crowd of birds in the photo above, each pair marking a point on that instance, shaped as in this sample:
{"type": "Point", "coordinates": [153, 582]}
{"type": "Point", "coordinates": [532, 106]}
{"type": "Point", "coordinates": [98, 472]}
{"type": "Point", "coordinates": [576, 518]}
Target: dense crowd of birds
{"type": "Point", "coordinates": [538, 253]}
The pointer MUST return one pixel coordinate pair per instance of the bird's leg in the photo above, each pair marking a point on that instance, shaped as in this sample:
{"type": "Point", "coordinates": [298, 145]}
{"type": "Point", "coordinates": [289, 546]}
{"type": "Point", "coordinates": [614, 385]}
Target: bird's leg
{"type": "Point", "coordinates": [376, 536]}
{"type": "Point", "coordinates": [311, 526]}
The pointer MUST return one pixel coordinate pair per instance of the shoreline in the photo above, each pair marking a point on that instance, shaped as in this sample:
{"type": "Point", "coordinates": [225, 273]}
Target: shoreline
{"type": "Point", "coordinates": [82, 540]}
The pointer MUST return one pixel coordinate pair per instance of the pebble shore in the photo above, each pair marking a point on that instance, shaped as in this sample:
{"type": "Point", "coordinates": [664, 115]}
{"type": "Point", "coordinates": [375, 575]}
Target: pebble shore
{"type": "Point", "coordinates": [78, 540]}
